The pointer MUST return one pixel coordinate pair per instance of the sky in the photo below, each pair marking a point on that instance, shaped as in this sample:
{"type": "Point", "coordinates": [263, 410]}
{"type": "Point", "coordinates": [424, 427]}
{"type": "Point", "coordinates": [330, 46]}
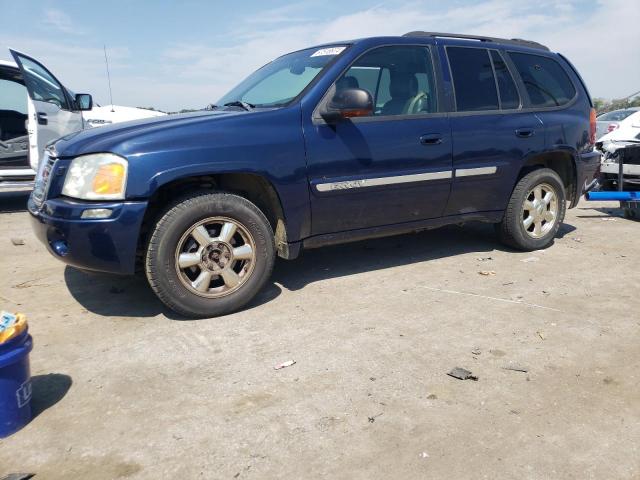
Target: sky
{"type": "Point", "coordinates": [187, 54]}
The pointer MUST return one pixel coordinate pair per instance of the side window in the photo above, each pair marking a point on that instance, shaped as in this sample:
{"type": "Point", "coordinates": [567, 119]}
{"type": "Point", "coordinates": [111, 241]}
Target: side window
{"type": "Point", "coordinates": [545, 80]}
{"type": "Point", "coordinates": [42, 85]}
{"type": "Point", "coordinates": [473, 79]}
{"type": "Point", "coordinates": [383, 89]}
{"type": "Point", "coordinates": [509, 98]}
{"type": "Point", "coordinates": [13, 96]}
{"type": "Point", "coordinates": [13, 112]}
{"type": "Point", "coordinates": [399, 79]}
{"type": "Point", "coordinates": [362, 77]}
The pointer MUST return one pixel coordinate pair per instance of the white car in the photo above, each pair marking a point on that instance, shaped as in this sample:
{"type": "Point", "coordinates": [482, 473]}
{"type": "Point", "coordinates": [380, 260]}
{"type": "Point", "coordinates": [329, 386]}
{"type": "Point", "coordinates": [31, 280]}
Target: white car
{"type": "Point", "coordinates": [35, 109]}
{"type": "Point", "coordinates": [612, 146]}
{"type": "Point", "coordinates": [107, 114]}
{"type": "Point", "coordinates": [608, 122]}
{"type": "Point", "coordinates": [627, 129]}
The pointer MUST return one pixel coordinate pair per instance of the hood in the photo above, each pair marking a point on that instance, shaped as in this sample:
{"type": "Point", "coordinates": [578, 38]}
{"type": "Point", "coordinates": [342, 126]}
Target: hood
{"type": "Point", "coordinates": [109, 138]}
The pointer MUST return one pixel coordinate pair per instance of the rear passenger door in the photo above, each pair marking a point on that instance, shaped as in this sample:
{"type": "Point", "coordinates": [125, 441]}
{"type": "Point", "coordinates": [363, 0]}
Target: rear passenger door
{"type": "Point", "coordinates": [491, 134]}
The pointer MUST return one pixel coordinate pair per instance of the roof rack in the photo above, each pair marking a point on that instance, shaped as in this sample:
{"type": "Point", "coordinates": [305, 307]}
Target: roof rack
{"type": "Point", "coordinates": [507, 41]}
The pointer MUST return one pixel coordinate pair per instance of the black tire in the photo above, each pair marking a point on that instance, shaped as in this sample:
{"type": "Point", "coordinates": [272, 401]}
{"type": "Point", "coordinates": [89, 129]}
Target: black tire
{"type": "Point", "coordinates": [160, 260]}
{"type": "Point", "coordinates": [511, 230]}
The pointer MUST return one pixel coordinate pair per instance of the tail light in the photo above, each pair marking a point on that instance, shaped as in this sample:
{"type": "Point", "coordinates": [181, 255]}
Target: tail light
{"type": "Point", "coordinates": [592, 126]}
{"type": "Point", "coordinates": [612, 127]}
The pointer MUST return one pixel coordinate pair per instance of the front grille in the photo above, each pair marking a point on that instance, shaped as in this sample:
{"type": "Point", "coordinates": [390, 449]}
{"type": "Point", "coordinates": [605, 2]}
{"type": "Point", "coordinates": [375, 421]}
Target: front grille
{"type": "Point", "coordinates": [43, 179]}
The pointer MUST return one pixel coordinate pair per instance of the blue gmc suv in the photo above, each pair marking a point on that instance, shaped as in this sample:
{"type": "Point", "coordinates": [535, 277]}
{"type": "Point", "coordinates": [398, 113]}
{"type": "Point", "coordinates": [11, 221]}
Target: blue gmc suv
{"type": "Point", "coordinates": [329, 144]}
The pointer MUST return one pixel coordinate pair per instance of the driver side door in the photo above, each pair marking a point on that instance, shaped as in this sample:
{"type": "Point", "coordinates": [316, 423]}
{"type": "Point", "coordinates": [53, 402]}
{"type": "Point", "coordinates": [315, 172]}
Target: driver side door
{"type": "Point", "coordinates": [51, 111]}
{"type": "Point", "coordinates": [391, 167]}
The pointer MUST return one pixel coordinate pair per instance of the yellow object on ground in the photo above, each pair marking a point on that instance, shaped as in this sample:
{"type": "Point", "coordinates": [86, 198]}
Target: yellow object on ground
{"type": "Point", "coordinates": [14, 329]}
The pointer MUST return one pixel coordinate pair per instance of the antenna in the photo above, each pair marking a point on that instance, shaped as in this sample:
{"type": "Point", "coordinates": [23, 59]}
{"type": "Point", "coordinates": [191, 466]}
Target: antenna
{"type": "Point", "coordinates": [108, 77]}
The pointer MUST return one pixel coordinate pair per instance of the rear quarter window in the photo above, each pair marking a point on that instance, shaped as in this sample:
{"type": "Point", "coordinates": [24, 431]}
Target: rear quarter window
{"type": "Point", "coordinates": [546, 82]}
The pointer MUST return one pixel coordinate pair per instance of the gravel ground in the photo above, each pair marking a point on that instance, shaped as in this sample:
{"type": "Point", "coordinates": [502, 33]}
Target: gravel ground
{"type": "Point", "coordinates": [125, 389]}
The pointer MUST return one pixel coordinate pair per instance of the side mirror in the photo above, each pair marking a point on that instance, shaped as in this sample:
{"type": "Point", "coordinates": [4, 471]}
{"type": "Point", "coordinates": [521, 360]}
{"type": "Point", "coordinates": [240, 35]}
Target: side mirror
{"type": "Point", "coordinates": [84, 101]}
{"type": "Point", "coordinates": [348, 103]}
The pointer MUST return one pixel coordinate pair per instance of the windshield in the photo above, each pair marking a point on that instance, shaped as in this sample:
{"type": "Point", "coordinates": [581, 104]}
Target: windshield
{"type": "Point", "coordinates": [282, 80]}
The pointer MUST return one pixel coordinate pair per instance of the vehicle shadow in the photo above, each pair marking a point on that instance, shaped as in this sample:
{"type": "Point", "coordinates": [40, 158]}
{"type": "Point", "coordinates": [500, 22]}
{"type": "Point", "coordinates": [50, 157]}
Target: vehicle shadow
{"type": "Point", "coordinates": [613, 211]}
{"type": "Point", "coordinates": [12, 202]}
{"type": "Point", "coordinates": [47, 390]}
{"type": "Point", "coordinates": [112, 295]}
{"type": "Point", "coordinates": [130, 296]}
{"type": "Point", "coordinates": [382, 253]}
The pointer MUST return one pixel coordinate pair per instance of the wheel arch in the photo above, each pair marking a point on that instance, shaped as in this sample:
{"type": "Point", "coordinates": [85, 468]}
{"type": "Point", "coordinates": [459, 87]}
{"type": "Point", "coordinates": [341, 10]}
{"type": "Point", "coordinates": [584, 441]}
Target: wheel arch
{"type": "Point", "coordinates": [255, 187]}
{"type": "Point", "coordinates": [561, 161]}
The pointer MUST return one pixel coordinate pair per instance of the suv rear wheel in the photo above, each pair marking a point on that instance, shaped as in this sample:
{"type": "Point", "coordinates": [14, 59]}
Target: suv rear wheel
{"type": "Point", "coordinates": [535, 211]}
{"type": "Point", "coordinates": [210, 254]}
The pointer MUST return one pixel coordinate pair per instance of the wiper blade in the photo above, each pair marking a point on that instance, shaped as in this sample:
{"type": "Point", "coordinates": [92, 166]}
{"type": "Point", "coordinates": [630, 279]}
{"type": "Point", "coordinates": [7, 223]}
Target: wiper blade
{"type": "Point", "coordinates": [211, 106]}
{"type": "Point", "coordinates": [239, 103]}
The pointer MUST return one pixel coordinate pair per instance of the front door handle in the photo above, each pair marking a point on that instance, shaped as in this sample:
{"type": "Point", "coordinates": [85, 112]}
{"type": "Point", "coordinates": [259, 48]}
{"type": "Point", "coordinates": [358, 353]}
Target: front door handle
{"type": "Point", "coordinates": [42, 118]}
{"type": "Point", "coordinates": [431, 139]}
{"type": "Point", "coordinates": [525, 132]}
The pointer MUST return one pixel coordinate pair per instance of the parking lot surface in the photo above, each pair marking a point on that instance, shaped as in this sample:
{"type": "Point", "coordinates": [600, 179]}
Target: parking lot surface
{"type": "Point", "coordinates": [123, 388]}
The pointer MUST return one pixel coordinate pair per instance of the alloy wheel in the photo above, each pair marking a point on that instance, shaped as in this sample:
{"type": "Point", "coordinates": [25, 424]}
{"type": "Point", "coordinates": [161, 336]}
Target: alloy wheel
{"type": "Point", "coordinates": [215, 257]}
{"type": "Point", "coordinates": [540, 210]}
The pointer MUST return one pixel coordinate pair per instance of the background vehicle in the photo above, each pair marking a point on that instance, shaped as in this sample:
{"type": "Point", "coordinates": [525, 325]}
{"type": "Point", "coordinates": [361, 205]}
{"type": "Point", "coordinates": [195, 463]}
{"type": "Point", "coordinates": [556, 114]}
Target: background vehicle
{"type": "Point", "coordinates": [101, 115]}
{"type": "Point", "coordinates": [329, 144]}
{"type": "Point", "coordinates": [35, 109]}
{"type": "Point", "coordinates": [613, 146]}
{"type": "Point", "coordinates": [608, 122]}
{"type": "Point", "coordinates": [628, 129]}
{"type": "Point", "coordinates": [53, 110]}
{"type": "Point", "coordinates": [15, 170]}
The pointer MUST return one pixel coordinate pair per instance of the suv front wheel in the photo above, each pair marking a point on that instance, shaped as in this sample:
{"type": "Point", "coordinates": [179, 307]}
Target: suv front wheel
{"type": "Point", "coordinates": [210, 254]}
{"type": "Point", "coordinates": [535, 211]}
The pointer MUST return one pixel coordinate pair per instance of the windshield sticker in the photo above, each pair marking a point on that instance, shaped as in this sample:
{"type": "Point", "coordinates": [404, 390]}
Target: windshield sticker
{"type": "Point", "coordinates": [328, 51]}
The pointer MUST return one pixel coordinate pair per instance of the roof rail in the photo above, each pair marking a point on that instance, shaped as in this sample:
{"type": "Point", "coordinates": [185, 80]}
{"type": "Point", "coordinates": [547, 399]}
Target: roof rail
{"type": "Point", "coordinates": [507, 41]}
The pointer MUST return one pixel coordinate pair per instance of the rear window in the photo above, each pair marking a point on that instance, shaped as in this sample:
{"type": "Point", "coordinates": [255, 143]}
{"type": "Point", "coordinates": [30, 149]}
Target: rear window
{"type": "Point", "coordinates": [473, 80]}
{"type": "Point", "coordinates": [547, 84]}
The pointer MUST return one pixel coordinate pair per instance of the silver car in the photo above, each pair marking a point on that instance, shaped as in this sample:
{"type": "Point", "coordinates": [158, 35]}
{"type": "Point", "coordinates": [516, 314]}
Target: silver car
{"type": "Point", "coordinates": [608, 122]}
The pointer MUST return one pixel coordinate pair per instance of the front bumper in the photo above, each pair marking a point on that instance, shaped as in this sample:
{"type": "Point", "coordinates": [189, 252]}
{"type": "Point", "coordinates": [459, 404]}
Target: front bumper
{"type": "Point", "coordinates": [104, 245]}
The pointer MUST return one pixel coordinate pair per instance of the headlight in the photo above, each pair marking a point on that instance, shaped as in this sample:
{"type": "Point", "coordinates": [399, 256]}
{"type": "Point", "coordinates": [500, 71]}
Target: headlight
{"type": "Point", "coordinates": [98, 176]}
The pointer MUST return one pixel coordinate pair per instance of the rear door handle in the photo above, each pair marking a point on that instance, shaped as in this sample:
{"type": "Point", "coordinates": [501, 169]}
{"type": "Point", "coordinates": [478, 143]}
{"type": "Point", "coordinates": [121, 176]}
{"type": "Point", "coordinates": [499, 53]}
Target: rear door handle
{"type": "Point", "coordinates": [431, 139]}
{"type": "Point", "coordinates": [42, 118]}
{"type": "Point", "coordinates": [525, 132]}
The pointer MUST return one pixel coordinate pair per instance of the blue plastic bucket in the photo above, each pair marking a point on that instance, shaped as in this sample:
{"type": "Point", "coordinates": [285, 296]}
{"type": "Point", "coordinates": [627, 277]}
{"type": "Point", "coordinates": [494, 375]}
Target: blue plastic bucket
{"type": "Point", "coordinates": [15, 384]}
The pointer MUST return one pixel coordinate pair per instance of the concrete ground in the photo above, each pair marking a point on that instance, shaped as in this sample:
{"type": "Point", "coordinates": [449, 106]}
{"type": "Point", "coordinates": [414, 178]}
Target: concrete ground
{"type": "Point", "coordinates": [124, 389]}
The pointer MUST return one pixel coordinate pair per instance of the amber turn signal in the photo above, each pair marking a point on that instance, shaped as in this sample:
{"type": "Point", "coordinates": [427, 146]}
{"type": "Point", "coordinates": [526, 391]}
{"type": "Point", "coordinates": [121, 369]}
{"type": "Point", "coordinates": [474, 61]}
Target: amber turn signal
{"type": "Point", "coordinates": [109, 179]}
